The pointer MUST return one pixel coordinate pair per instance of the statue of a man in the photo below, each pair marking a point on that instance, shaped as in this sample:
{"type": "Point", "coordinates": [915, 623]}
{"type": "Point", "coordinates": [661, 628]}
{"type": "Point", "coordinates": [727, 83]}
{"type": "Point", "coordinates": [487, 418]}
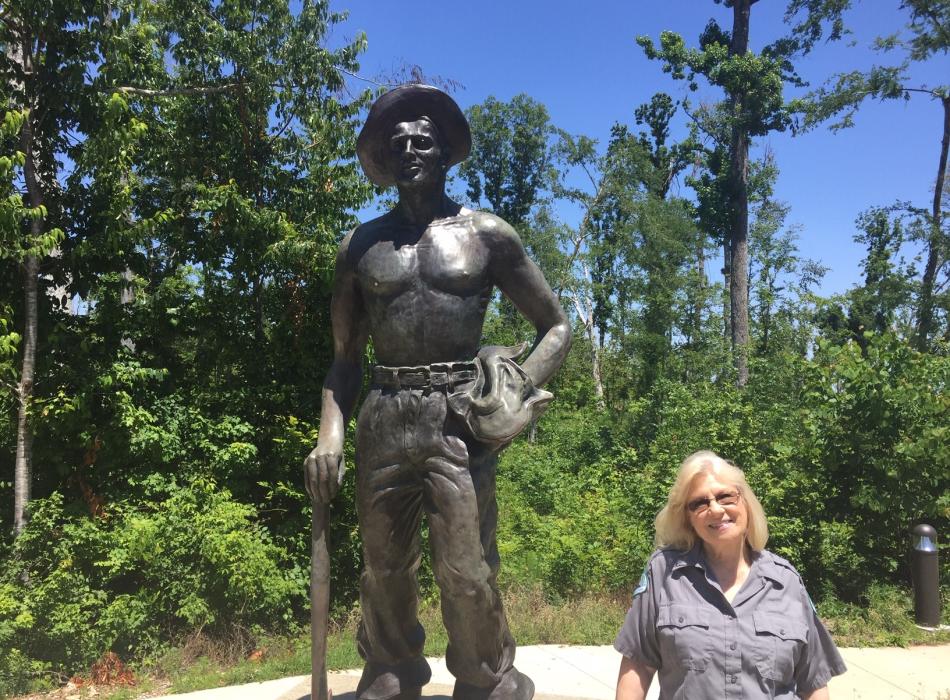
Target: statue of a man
{"type": "Point", "coordinates": [417, 280]}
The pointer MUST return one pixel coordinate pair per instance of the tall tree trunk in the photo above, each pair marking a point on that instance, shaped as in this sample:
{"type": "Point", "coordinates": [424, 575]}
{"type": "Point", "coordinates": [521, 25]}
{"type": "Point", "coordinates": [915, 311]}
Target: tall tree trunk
{"type": "Point", "coordinates": [23, 469]}
{"type": "Point", "coordinates": [585, 312]}
{"type": "Point", "coordinates": [925, 314]}
{"type": "Point", "coordinates": [23, 466]}
{"type": "Point", "coordinates": [738, 236]}
{"type": "Point", "coordinates": [727, 280]}
{"type": "Point", "coordinates": [697, 320]}
{"type": "Point", "coordinates": [598, 378]}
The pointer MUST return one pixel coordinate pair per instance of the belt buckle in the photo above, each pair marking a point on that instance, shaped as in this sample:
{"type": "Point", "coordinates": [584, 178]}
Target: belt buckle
{"type": "Point", "coordinates": [438, 378]}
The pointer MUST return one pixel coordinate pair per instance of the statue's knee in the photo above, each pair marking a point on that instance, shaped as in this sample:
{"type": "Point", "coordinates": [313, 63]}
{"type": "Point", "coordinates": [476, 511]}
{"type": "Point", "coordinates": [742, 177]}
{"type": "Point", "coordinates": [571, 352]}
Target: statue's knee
{"type": "Point", "coordinates": [389, 577]}
{"type": "Point", "coordinates": [391, 563]}
{"type": "Point", "coordinates": [461, 582]}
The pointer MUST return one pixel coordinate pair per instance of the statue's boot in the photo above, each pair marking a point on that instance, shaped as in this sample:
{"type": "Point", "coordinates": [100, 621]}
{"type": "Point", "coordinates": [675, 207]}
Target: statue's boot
{"type": "Point", "coordinates": [514, 685]}
{"type": "Point", "coordinates": [400, 682]}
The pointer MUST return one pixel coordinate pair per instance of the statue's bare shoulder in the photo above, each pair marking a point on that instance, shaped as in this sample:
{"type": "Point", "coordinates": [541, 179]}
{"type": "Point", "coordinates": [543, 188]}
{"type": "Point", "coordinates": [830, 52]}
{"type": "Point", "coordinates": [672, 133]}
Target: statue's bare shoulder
{"type": "Point", "coordinates": [498, 236]}
{"type": "Point", "coordinates": [362, 238]}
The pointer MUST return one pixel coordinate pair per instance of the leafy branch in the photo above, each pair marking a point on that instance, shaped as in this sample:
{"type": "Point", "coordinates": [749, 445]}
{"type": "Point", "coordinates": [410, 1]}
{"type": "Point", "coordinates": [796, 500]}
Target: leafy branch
{"type": "Point", "coordinates": [171, 92]}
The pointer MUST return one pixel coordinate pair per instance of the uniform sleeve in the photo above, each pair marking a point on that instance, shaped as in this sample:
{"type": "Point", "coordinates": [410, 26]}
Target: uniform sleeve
{"type": "Point", "coordinates": [820, 660]}
{"type": "Point", "coordinates": [637, 639]}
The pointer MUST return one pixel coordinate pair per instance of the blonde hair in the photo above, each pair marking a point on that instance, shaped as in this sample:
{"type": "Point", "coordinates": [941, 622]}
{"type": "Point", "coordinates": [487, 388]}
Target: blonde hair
{"type": "Point", "coordinates": [673, 528]}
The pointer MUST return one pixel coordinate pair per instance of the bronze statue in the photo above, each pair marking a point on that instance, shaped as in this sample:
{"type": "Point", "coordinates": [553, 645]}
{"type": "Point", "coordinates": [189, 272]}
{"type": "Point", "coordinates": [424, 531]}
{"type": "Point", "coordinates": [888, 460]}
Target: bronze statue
{"type": "Point", "coordinates": [418, 280]}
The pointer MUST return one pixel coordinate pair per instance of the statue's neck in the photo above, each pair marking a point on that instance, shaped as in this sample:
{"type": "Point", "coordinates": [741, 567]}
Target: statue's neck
{"type": "Point", "coordinates": [422, 205]}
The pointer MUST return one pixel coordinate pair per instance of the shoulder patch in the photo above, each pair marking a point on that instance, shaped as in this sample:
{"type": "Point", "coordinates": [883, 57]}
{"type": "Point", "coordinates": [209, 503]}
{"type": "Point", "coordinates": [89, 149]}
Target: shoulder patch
{"type": "Point", "coordinates": [642, 585]}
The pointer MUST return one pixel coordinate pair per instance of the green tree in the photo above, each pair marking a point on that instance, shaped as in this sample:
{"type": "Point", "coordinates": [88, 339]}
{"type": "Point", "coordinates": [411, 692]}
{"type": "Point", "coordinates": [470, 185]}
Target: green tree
{"type": "Point", "coordinates": [711, 186]}
{"type": "Point", "coordinates": [247, 176]}
{"type": "Point", "coordinates": [882, 304]}
{"type": "Point", "coordinates": [511, 156]}
{"type": "Point", "coordinates": [202, 170]}
{"type": "Point", "coordinates": [668, 160]}
{"type": "Point", "coordinates": [14, 217]}
{"type": "Point", "coordinates": [661, 238]}
{"type": "Point", "coordinates": [43, 60]}
{"type": "Point", "coordinates": [877, 421]}
{"type": "Point", "coordinates": [713, 195]}
{"type": "Point", "coordinates": [630, 250]}
{"type": "Point", "coordinates": [781, 281]}
{"type": "Point", "coordinates": [888, 283]}
{"type": "Point", "coordinates": [207, 181]}
{"type": "Point", "coordinates": [590, 284]}
{"type": "Point", "coordinates": [926, 35]}
{"type": "Point", "coordinates": [753, 86]}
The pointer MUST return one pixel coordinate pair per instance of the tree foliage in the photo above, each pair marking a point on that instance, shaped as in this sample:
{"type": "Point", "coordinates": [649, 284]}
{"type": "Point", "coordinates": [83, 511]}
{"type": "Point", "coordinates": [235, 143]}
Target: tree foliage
{"type": "Point", "coordinates": [927, 34]}
{"type": "Point", "coordinates": [511, 156]}
{"type": "Point", "coordinates": [754, 107]}
{"type": "Point", "coordinates": [198, 161]}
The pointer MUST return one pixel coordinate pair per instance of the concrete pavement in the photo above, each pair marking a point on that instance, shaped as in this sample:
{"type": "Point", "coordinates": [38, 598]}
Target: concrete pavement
{"type": "Point", "coordinates": [589, 673]}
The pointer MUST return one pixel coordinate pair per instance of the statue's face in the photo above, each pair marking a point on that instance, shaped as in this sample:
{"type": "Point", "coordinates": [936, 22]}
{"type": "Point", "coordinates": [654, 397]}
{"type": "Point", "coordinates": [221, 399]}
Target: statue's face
{"type": "Point", "coordinates": [417, 156]}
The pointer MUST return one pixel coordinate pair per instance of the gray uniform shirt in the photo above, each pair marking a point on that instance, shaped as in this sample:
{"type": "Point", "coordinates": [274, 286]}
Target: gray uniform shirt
{"type": "Point", "coordinates": [768, 643]}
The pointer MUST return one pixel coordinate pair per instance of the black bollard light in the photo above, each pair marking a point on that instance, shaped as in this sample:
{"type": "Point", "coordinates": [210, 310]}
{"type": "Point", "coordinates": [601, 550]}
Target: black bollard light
{"type": "Point", "coordinates": [926, 577]}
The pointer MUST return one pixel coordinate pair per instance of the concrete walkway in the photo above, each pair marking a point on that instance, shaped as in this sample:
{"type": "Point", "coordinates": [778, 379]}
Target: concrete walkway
{"type": "Point", "coordinates": [589, 673]}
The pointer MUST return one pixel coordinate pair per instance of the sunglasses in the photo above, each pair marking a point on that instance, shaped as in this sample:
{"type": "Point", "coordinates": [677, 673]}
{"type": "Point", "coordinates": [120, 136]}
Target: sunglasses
{"type": "Point", "coordinates": [699, 506]}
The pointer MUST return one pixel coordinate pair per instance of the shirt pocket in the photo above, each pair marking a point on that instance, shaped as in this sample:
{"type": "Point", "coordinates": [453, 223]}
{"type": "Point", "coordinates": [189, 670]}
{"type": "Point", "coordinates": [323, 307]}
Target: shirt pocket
{"type": "Point", "coordinates": [780, 641]}
{"type": "Point", "coordinates": [684, 636]}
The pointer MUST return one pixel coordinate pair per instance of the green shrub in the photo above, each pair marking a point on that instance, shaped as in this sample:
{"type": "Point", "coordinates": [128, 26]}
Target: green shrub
{"type": "Point", "coordinates": [567, 521]}
{"type": "Point", "coordinates": [148, 570]}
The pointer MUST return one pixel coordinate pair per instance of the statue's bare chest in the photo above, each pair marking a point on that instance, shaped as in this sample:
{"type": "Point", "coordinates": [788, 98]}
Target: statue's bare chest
{"type": "Point", "coordinates": [448, 259]}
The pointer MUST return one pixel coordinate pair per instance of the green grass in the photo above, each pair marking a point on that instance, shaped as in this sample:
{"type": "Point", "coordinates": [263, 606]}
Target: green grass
{"type": "Point", "coordinates": [203, 663]}
{"type": "Point", "coordinates": [887, 619]}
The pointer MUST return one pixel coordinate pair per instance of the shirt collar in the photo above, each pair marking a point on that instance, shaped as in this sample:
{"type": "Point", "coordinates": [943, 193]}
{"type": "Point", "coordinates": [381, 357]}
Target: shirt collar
{"type": "Point", "coordinates": [762, 564]}
{"type": "Point", "coordinates": [691, 558]}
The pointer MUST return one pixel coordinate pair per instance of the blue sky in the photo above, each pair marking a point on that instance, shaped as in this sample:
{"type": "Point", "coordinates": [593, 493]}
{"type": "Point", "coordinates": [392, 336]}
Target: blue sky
{"type": "Point", "coordinates": [582, 62]}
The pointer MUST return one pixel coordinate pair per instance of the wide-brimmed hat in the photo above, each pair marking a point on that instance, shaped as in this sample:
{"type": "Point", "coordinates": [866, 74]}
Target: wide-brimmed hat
{"type": "Point", "coordinates": [408, 103]}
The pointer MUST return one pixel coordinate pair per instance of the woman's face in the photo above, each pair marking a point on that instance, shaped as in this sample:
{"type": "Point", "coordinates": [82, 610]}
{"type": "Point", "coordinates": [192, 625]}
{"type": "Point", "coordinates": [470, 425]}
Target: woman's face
{"type": "Point", "coordinates": [717, 512]}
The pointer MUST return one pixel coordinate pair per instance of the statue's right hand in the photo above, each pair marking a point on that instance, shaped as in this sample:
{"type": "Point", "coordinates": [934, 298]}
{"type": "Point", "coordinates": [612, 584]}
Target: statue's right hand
{"type": "Point", "coordinates": [323, 473]}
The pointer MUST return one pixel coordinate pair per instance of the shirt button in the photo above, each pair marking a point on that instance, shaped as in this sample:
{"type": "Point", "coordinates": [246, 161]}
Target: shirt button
{"type": "Point", "coordinates": [733, 646]}
{"type": "Point", "coordinates": [732, 679]}
{"type": "Point", "coordinates": [681, 618]}
{"type": "Point", "coordinates": [781, 631]}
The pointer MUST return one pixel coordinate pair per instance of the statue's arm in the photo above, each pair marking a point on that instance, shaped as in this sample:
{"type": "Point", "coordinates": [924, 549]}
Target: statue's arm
{"type": "Point", "coordinates": [521, 281]}
{"type": "Point", "coordinates": [323, 468]}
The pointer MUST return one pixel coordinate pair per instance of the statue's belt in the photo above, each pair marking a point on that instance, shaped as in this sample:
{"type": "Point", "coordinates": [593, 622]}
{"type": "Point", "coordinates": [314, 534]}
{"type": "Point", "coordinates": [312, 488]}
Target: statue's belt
{"type": "Point", "coordinates": [442, 376]}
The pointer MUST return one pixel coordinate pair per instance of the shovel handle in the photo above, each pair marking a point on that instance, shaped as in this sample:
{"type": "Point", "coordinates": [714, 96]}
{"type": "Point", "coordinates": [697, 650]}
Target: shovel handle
{"type": "Point", "coordinates": [319, 600]}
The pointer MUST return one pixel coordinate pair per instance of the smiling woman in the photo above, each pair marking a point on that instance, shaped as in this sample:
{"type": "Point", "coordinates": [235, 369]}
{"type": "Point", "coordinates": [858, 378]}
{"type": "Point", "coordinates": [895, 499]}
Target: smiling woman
{"type": "Point", "coordinates": [715, 613]}
{"type": "Point", "coordinates": [709, 491]}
